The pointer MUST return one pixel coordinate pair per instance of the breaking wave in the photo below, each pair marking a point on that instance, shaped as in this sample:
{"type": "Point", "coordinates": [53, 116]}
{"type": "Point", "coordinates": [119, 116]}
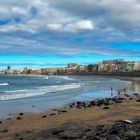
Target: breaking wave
{"type": "Point", "coordinates": [4, 84]}
{"type": "Point", "coordinates": [48, 90]}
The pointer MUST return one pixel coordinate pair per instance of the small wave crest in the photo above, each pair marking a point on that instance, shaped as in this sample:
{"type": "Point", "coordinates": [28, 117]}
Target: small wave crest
{"type": "Point", "coordinates": [49, 90]}
{"type": "Point", "coordinates": [4, 84]}
{"type": "Point", "coordinates": [67, 78]}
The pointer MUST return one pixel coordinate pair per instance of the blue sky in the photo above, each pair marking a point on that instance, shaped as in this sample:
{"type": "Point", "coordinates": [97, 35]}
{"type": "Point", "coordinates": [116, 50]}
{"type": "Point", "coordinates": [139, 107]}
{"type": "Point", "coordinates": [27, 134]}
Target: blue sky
{"type": "Point", "coordinates": [44, 33]}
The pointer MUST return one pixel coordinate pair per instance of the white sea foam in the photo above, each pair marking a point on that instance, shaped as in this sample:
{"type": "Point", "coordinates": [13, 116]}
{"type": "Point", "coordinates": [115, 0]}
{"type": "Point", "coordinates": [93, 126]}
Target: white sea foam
{"type": "Point", "coordinates": [4, 84]}
{"type": "Point", "coordinates": [66, 78]}
{"type": "Point", "coordinates": [18, 94]}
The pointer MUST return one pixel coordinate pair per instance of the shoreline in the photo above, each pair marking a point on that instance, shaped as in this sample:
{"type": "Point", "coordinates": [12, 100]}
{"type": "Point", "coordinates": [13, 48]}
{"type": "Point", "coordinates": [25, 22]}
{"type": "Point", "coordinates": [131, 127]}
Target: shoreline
{"type": "Point", "coordinates": [104, 111]}
{"type": "Point", "coordinates": [129, 79]}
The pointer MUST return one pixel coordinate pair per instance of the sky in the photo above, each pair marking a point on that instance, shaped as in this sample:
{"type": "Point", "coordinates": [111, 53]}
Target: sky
{"type": "Point", "coordinates": [52, 33]}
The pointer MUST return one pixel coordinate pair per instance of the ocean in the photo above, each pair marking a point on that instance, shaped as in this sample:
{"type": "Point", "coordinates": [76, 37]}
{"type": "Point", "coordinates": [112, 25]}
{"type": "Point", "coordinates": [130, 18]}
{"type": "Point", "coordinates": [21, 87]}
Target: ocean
{"type": "Point", "coordinates": [21, 93]}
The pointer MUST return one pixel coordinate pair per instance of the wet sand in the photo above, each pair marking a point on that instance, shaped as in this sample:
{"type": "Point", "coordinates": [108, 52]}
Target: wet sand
{"type": "Point", "coordinates": [71, 120]}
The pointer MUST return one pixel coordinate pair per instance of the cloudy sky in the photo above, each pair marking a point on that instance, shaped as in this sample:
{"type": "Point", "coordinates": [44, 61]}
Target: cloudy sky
{"type": "Point", "coordinates": [53, 33]}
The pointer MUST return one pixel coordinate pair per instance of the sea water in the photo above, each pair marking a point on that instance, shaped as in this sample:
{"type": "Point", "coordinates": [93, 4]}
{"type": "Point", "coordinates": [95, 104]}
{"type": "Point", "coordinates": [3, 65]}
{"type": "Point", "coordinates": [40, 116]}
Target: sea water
{"type": "Point", "coordinates": [21, 93]}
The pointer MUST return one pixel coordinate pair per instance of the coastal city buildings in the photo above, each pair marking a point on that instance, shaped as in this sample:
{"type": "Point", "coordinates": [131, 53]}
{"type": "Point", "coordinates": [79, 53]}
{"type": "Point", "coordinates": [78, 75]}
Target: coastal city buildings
{"type": "Point", "coordinates": [107, 66]}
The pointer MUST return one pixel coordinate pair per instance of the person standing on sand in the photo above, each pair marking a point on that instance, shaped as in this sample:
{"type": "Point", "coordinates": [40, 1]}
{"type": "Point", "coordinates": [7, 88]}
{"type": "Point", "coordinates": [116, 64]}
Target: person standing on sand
{"type": "Point", "coordinates": [111, 91]}
{"type": "Point", "coordinates": [124, 90]}
{"type": "Point", "coordinates": [119, 92]}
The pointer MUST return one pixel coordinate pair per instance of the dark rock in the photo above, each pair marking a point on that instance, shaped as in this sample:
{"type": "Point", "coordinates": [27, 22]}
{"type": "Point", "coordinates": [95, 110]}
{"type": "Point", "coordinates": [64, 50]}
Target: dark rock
{"type": "Point", "coordinates": [137, 138]}
{"type": "Point", "coordinates": [56, 131]}
{"type": "Point", "coordinates": [63, 111]}
{"type": "Point", "coordinates": [4, 131]}
{"type": "Point", "coordinates": [106, 103]}
{"type": "Point", "coordinates": [19, 118]}
{"type": "Point", "coordinates": [44, 116]}
{"type": "Point", "coordinates": [21, 114]}
{"type": "Point", "coordinates": [87, 130]}
{"type": "Point", "coordinates": [136, 94]}
{"type": "Point", "coordinates": [138, 100]}
{"type": "Point", "coordinates": [113, 137]}
{"type": "Point", "coordinates": [106, 107]}
{"type": "Point", "coordinates": [118, 101]}
{"type": "Point", "coordinates": [113, 131]}
{"type": "Point", "coordinates": [136, 121]}
{"type": "Point", "coordinates": [52, 114]}
{"type": "Point", "coordinates": [92, 103]}
{"type": "Point", "coordinates": [73, 134]}
{"type": "Point", "coordinates": [0, 122]}
{"type": "Point", "coordinates": [99, 103]}
{"type": "Point", "coordinates": [28, 131]}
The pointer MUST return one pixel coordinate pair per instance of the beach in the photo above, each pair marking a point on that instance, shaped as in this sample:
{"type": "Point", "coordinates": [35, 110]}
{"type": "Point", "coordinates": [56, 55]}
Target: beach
{"type": "Point", "coordinates": [90, 119]}
{"type": "Point", "coordinates": [75, 117]}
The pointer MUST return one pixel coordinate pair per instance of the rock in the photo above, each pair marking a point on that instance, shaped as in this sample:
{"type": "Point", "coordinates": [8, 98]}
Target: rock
{"type": "Point", "coordinates": [118, 101]}
{"type": "Point", "coordinates": [106, 103]}
{"type": "Point", "coordinates": [137, 138]}
{"type": "Point", "coordinates": [28, 131]}
{"type": "Point", "coordinates": [92, 103]}
{"type": "Point", "coordinates": [63, 111]}
{"type": "Point", "coordinates": [4, 131]}
{"type": "Point", "coordinates": [106, 107]}
{"type": "Point", "coordinates": [99, 103]}
{"type": "Point", "coordinates": [113, 137]}
{"type": "Point", "coordinates": [89, 105]}
{"type": "Point", "coordinates": [19, 118]}
{"type": "Point", "coordinates": [56, 131]}
{"type": "Point", "coordinates": [136, 121]}
{"type": "Point", "coordinates": [87, 130]}
{"type": "Point", "coordinates": [21, 114]}
{"type": "Point", "coordinates": [138, 100]}
{"type": "Point", "coordinates": [113, 131]}
{"type": "Point", "coordinates": [52, 114]}
{"type": "Point", "coordinates": [44, 116]}
{"type": "Point", "coordinates": [72, 134]}
{"type": "Point", "coordinates": [0, 122]}
{"type": "Point", "coordinates": [136, 94]}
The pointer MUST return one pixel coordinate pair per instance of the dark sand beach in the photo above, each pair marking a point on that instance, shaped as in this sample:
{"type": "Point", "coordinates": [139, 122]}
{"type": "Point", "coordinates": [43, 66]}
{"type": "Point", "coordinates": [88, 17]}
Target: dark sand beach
{"type": "Point", "coordinates": [80, 120]}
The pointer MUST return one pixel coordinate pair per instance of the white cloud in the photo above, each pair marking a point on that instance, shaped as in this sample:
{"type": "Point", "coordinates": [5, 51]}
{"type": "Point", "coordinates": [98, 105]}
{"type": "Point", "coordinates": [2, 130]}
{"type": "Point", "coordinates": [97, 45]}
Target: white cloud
{"type": "Point", "coordinates": [81, 25]}
{"type": "Point", "coordinates": [65, 21]}
{"type": "Point", "coordinates": [36, 14]}
{"type": "Point", "coordinates": [55, 27]}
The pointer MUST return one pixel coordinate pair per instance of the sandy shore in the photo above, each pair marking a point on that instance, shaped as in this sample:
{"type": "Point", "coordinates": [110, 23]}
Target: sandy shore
{"type": "Point", "coordinates": [76, 115]}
